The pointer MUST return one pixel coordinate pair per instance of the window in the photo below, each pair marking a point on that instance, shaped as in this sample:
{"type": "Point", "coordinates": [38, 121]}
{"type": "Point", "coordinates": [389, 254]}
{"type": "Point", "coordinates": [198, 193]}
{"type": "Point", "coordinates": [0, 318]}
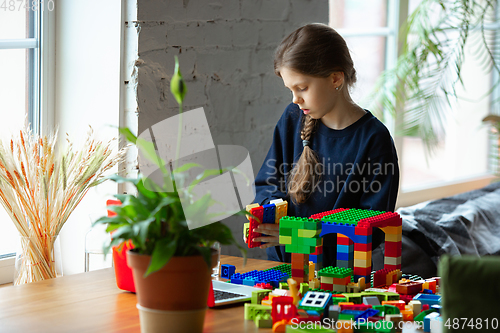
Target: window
{"type": "Point", "coordinates": [20, 64]}
{"type": "Point", "coordinates": [460, 161]}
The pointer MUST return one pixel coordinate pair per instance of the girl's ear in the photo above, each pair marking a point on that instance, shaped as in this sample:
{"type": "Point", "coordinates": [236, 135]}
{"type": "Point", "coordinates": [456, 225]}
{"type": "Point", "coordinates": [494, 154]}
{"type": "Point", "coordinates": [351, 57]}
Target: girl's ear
{"type": "Point", "coordinates": [337, 79]}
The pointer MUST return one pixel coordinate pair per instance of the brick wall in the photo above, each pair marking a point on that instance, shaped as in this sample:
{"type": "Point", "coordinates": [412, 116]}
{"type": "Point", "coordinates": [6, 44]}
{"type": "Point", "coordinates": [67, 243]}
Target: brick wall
{"type": "Point", "coordinates": [225, 49]}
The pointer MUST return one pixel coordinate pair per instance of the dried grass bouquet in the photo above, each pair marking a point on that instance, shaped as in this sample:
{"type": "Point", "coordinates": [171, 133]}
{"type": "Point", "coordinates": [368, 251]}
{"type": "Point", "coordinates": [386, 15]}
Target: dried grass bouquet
{"type": "Point", "coordinates": [40, 187]}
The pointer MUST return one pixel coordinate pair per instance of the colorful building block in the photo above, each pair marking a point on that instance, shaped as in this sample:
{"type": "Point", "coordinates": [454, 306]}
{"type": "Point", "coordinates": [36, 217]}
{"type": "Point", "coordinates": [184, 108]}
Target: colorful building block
{"type": "Point", "coordinates": [227, 271]}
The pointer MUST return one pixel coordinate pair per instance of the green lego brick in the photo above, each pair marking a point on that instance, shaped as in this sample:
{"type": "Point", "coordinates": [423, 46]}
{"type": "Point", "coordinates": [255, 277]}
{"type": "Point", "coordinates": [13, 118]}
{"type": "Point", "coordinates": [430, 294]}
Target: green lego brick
{"type": "Point", "coordinates": [285, 239]}
{"type": "Point", "coordinates": [307, 241]}
{"type": "Point", "coordinates": [252, 310]}
{"type": "Point", "coordinates": [259, 295]}
{"type": "Point", "coordinates": [304, 288]}
{"type": "Point", "coordinates": [285, 268]}
{"type": "Point", "coordinates": [335, 272]}
{"type": "Point", "coordinates": [304, 249]}
{"type": "Point", "coordinates": [285, 231]}
{"type": "Point", "coordinates": [351, 216]}
{"type": "Point", "coordinates": [312, 224]}
{"type": "Point", "coordinates": [383, 296]}
{"type": "Point", "coordinates": [346, 316]}
{"type": "Point", "coordinates": [356, 298]}
{"type": "Point", "coordinates": [283, 285]}
{"type": "Point", "coordinates": [386, 309]}
{"type": "Point", "coordinates": [299, 223]}
{"type": "Point", "coordinates": [309, 233]}
{"type": "Point", "coordinates": [263, 321]}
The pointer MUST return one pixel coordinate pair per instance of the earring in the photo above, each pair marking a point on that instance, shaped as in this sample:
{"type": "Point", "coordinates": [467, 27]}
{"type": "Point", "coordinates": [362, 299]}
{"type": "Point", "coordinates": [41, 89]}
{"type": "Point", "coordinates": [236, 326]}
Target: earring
{"type": "Point", "coordinates": [337, 88]}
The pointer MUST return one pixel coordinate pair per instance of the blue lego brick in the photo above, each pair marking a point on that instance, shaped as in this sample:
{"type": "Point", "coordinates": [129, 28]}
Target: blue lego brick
{"type": "Point", "coordinates": [345, 256]}
{"type": "Point", "coordinates": [236, 279]}
{"type": "Point", "coordinates": [345, 248]}
{"type": "Point", "coordinates": [249, 282]}
{"type": "Point", "coordinates": [227, 271]}
{"type": "Point", "coordinates": [316, 257]}
{"type": "Point", "coordinates": [428, 299]}
{"type": "Point", "coordinates": [367, 313]}
{"type": "Point", "coordinates": [251, 278]}
{"type": "Point", "coordinates": [344, 229]}
{"type": "Point", "coordinates": [269, 213]}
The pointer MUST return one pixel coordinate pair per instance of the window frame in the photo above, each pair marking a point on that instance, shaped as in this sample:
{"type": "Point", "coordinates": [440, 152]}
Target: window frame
{"type": "Point", "coordinates": [397, 14]}
{"type": "Point", "coordinates": [41, 100]}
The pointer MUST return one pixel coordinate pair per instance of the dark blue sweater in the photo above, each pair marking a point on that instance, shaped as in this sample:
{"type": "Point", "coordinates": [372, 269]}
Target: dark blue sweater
{"type": "Point", "coordinates": [360, 170]}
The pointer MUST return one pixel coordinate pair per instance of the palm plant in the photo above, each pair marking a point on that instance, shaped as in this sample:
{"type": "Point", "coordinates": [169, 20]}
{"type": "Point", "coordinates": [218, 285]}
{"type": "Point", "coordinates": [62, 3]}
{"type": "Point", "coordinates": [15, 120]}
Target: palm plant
{"type": "Point", "coordinates": [422, 85]}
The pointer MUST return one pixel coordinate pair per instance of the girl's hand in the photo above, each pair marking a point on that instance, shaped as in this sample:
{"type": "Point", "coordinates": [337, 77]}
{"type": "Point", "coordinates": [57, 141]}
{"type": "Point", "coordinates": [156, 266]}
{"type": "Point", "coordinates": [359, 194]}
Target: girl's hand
{"type": "Point", "coordinates": [272, 232]}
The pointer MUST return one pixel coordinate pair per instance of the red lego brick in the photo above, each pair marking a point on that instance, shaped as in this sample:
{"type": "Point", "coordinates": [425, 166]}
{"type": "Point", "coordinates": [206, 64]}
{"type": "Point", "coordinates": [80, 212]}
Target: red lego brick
{"type": "Point", "coordinates": [379, 277]}
{"type": "Point", "coordinates": [362, 271]}
{"type": "Point", "coordinates": [362, 247]}
{"type": "Point", "coordinates": [383, 220]}
{"type": "Point", "coordinates": [363, 231]}
{"type": "Point", "coordinates": [252, 234]}
{"type": "Point", "coordinates": [258, 212]}
{"type": "Point", "coordinates": [318, 250]}
{"type": "Point", "coordinates": [278, 312]}
{"type": "Point", "coordinates": [327, 286]}
{"type": "Point", "coordinates": [343, 240]}
{"type": "Point", "coordinates": [409, 288]}
{"type": "Point", "coordinates": [330, 212]}
{"type": "Point", "coordinates": [355, 307]}
{"type": "Point", "coordinates": [298, 273]}
{"type": "Point", "coordinates": [392, 249]}
{"type": "Point", "coordinates": [392, 267]}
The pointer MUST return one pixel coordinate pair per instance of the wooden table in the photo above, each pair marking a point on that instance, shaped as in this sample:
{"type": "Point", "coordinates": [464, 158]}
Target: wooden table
{"type": "Point", "coordinates": [91, 302]}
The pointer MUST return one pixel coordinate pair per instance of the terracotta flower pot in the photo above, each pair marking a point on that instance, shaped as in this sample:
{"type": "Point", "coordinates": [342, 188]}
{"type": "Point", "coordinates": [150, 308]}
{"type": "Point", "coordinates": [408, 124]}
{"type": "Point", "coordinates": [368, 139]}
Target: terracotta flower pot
{"type": "Point", "coordinates": [175, 296]}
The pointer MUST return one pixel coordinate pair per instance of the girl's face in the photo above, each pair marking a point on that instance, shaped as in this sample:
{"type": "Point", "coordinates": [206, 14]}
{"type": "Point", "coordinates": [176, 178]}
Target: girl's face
{"type": "Point", "coordinates": [316, 96]}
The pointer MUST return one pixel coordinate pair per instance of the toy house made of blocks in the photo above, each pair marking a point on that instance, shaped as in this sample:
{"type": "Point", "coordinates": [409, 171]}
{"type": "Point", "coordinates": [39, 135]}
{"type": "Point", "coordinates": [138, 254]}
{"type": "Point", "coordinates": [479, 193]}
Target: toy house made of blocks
{"type": "Point", "coordinates": [354, 238]}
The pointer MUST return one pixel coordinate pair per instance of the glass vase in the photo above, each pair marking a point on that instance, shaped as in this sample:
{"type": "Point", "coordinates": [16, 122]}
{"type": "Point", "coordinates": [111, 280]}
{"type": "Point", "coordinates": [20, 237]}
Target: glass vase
{"type": "Point", "coordinates": [37, 259]}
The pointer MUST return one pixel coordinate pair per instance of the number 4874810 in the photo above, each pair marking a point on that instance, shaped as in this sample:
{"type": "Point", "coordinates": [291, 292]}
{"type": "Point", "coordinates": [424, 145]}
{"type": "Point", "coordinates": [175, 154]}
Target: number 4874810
{"type": "Point", "coordinates": [33, 5]}
{"type": "Point", "coordinates": [471, 323]}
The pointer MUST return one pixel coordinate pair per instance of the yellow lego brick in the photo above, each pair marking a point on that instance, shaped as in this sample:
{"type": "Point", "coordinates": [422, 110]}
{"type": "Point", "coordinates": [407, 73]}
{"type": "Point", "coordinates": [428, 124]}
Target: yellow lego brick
{"type": "Point", "coordinates": [363, 255]}
{"type": "Point", "coordinates": [362, 263]}
{"type": "Point", "coordinates": [248, 207]}
{"type": "Point", "coordinates": [393, 237]}
{"type": "Point", "coordinates": [281, 210]}
{"type": "Point", "coordinates": [308, 233]}
{"type": "Point", "coordinates": [392, 230]}
{"type": "Point", "coordinates": [392, 261]}
{"type": "Point", "coordinates": [246, 229]}
{"type": "Point", "coordinates": [311, 270]}
{"type": "Point", "coordinates": [326, 279]}
{"type": "Point", "coordinates": [286, 240]}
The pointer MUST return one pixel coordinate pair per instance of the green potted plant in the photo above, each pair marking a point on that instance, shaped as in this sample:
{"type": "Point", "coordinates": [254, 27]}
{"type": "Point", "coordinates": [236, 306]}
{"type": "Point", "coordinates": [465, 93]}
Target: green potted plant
{"type": "Point", "coordinates": [171, 264]}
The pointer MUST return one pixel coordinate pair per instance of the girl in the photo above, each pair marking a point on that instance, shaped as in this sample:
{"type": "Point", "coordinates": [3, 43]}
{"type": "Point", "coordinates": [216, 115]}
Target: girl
{"type": "Point", "coordinates": [327, 152]}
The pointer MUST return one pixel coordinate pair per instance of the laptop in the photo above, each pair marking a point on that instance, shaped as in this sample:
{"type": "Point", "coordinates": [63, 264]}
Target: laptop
{"type": "Point", "coordinates": [229, 293]}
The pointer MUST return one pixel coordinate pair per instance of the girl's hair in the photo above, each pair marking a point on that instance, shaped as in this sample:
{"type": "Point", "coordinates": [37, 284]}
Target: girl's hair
{"type": "Point", "coordinates": [315, 50]}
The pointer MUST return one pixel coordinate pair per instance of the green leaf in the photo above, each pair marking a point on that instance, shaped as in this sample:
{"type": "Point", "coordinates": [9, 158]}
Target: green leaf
{"type": "Point", "coordinates": [119, 179]}
{"type": "Point", "coordinates": [128, 134]}
{"type": "Point", "coordinates": [177, 85]}
{"type": "Point", "coordinates": [140, 232]}
{"type": "Point", "coordinates": [108, 244]}
{"type": "Point", "coordinates": [206, 253]}
{"type": "Point", "coordinates": [163, 251]}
